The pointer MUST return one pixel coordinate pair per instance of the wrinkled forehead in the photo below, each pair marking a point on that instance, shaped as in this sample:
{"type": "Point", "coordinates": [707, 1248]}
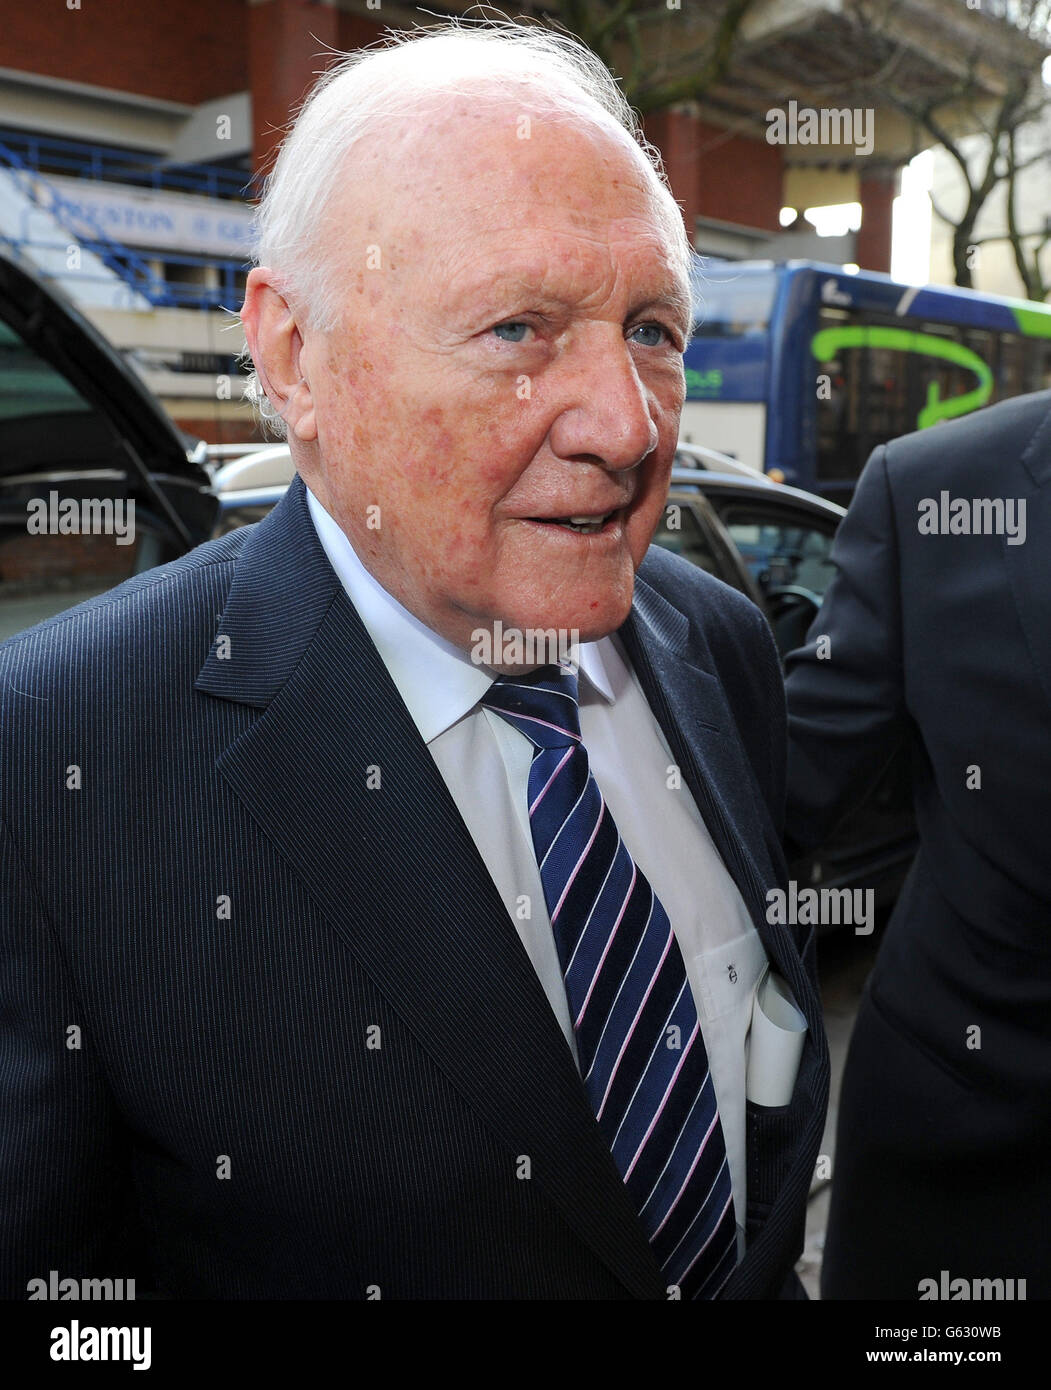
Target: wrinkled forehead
{"type": "Point", "coordinates": [458, 168]}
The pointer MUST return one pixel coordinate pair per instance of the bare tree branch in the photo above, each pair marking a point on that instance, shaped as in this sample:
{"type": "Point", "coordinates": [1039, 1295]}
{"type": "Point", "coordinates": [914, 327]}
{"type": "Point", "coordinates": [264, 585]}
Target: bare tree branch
{"type": "Point", "coordinates": [993, 91]}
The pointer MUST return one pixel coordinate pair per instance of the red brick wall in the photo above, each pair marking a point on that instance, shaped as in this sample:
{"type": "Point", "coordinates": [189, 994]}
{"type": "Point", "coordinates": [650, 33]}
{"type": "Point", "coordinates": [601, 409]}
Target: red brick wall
{"type": "Point", "coordinates": [739, 179]}
{"type": "Point", "coordinates": [715, 174]}
{"type": "Point", "coordinates": [178, 50]}
{"type": "Point", "coordinates": [35, 560]}
{"type": "Point", "coordinates": [673, 133]}
{"type": "Point", "coordinates": [288, 42]}
{"type": "Point", "coordinates": [243, 430]}
{"type": "Point", "coordinates": [193, 50]}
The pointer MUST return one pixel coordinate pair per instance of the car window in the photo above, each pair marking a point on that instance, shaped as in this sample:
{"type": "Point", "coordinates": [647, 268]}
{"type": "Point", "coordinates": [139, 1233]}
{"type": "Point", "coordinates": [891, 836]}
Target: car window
{"type": "Point", "coordinates": [682, 532]}
{"type": "Point", "coordinates": [55, 445]}
{"type": "Point", "coordinates": [781, 547]}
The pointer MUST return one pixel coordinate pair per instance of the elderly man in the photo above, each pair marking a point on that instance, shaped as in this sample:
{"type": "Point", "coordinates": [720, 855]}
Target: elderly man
{"type": "Point", "coordinates": [399, 933]}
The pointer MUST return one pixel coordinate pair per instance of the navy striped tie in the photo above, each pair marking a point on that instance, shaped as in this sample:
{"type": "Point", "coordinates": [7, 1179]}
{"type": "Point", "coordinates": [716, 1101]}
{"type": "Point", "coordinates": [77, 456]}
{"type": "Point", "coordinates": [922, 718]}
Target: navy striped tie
{"type": "Point", "coordinates": [639, 1045]}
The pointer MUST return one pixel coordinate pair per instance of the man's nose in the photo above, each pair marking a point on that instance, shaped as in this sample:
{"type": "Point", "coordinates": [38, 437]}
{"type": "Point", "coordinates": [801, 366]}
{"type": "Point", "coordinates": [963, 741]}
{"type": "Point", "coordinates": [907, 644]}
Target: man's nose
{"type": "Point", "coordinates": [607, 416]}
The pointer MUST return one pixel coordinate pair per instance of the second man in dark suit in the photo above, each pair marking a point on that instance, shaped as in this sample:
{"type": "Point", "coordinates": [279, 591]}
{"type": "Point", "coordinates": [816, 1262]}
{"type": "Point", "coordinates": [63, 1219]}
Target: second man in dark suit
{"type": "Point", "coordinates": [932, 652]}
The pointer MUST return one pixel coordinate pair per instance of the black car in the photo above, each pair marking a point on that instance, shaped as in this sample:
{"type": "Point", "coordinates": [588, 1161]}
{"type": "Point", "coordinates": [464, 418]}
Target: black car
{"type": "Point", "coordinates": [81, 437]}
{"type": "Point", "coordinates": [771, 542]}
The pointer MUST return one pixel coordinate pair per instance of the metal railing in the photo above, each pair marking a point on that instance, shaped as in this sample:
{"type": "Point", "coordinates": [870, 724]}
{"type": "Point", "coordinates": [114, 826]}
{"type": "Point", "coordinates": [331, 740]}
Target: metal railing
{"type": "Point", "coordinates": [130, 267]}
{"type": "Point", "coordinates": [165, 293]}
{"type": "Point", "coordinates": [46, 155]}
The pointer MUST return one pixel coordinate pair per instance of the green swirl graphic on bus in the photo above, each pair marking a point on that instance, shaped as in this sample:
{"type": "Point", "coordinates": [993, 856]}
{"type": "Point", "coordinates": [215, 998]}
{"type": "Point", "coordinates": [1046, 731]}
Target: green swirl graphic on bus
{"type": "Point", "coordinates": [829, 341]}
{"type": "Point", "coordinates": [709, 383]}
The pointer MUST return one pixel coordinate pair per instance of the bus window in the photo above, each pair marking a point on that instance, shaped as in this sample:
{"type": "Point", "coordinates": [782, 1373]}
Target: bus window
{"type": "Point", "coordinates": [891, 403]}
{"type": "Point", "coordinates": [1025, 365]}
{"type": "Point", "coordinates": [1014, 375]}
{"type": "Point", "coordinates": [810, 379]}
{"type": "Point", "coordinates": [878, 391]}
{"type": "Point", "coordinates": [841, 409]}
{"type": "Point", "coordinates": [985, 345]}
{"type": "Point", "coordinates": [730, 303]}
{"type": "Point", "coordinates": [948, 379]}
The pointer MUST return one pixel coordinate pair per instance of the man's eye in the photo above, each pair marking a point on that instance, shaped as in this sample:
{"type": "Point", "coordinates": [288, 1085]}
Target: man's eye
{"type": "Point", "coordinates": [512, 332]}
{"type": "Point", "coordinates": [657, 334]}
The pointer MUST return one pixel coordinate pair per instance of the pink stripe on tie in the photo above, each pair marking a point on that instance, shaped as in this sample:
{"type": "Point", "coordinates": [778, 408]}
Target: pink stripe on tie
{"type": "Point", "coordinates": [689, 1175]}
{"type": "Point", "coordinates": [591, 915]}
{"type": "Point", "coordinates": [584, 855]}
{"type": "Point", "coordinates": [547, 784]}
{"type": "Point", "coordinates": [634, 1022]}
{"type": "Point", "coordinates": [664, 1101]}
{"type": "Point", "coordinates": [620, 987]}
{"type": "Point", "coordinates": [605, 953]}
{"type": "Point", "coordinates": [715, 1229]}
{"type": "Point", "coordinates": [544, 723]}
{"type": "Point", "coordinates": [649, 1063]}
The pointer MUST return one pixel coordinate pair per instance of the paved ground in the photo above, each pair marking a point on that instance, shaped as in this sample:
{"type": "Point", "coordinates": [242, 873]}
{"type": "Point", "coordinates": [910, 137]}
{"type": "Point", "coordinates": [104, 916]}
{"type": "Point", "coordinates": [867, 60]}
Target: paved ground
{"type": "Point", "coordinates": [844, 961]}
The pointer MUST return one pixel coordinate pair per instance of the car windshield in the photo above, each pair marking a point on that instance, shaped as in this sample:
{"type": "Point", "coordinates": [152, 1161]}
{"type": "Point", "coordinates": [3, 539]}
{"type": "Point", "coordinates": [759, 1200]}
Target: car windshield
{"type": "Point", "coordinates": [782, 550]}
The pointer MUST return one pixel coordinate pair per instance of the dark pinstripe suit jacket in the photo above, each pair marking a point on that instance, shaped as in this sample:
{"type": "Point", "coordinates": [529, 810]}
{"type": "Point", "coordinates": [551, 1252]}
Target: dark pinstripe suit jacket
{"type": "Point", "coordinates": [201, 940]}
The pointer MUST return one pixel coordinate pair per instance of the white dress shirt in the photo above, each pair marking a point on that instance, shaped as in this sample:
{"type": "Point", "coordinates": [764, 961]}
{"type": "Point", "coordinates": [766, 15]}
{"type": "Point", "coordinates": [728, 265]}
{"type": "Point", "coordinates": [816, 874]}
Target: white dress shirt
{"type": "Point", "coordinates": [485, 763]}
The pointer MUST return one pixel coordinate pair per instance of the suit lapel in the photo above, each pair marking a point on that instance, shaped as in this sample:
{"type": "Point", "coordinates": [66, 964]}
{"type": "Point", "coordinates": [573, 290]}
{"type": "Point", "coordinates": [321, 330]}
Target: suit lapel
{"type": "Point", "coordinates": [396, 873]}
{"type": "Point", "coordinates": [691, 706]}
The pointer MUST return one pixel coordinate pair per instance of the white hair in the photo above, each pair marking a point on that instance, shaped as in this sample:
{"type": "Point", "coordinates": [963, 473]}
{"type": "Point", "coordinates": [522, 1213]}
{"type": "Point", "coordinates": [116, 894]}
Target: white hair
{"type": "Point", "coordinates": [399, 76]}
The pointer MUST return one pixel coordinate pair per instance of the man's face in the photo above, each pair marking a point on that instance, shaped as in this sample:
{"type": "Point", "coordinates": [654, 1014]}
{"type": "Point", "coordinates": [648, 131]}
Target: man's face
{"type": "Point", "coordinates": [509, 358]}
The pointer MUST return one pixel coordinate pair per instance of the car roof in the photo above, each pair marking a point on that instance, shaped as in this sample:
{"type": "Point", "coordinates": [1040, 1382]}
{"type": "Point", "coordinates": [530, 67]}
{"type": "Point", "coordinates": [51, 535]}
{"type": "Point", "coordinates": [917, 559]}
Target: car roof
{"type": "Point", "coordinates": [713, 460]}
{"type": "Point", "coordinates": [727, 485]}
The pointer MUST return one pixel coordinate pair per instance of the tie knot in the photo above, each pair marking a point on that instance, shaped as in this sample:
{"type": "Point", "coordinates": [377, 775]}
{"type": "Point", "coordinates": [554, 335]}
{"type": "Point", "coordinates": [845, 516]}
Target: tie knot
{"type": "Point", "coordinates": [541, 704]}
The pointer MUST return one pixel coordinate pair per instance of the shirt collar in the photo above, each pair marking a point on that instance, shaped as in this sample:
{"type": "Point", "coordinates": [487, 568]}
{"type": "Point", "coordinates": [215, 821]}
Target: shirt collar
{"type": "Point", "coordinates": [438, 682]}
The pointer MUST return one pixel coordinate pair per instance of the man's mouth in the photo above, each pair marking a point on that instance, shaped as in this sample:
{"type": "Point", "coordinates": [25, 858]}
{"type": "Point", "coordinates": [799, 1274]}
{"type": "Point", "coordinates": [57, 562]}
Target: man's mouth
{"type": "Point", "coordinates": [586, 525]}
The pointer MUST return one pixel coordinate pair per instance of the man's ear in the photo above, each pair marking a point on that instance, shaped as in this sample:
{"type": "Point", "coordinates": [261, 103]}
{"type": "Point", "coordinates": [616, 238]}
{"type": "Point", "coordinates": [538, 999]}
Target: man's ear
{"type": "Point", "coordinates": [276, 344]}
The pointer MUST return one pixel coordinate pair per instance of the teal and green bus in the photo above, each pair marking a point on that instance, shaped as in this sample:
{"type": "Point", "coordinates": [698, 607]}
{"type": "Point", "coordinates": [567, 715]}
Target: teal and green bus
{"type": "Point", "coordinates": [800, 370]}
